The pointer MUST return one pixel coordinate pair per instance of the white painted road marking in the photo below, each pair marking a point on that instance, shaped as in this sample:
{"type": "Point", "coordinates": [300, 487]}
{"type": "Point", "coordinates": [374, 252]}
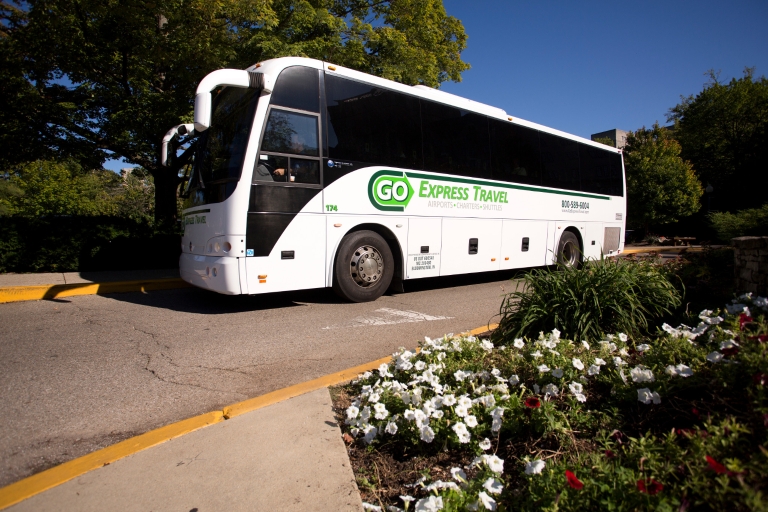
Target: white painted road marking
{"type": "Point", "coordinates": [389, 316]}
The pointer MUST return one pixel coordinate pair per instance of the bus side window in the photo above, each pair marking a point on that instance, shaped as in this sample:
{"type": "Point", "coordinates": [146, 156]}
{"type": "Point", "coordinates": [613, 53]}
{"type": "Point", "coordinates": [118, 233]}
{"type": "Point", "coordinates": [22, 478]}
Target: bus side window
{"type": "Point", "coordinates": [298, 87]}
{"type": "Point", "coordinates": [600, 171]}
{"type": "Point", "coordinates": [559, 162]}
{"type": "Point", "coordinates": [455, 141]}
{"type": "Point", "coordinates": [291, 132]}
{"type": "Point", "coordinates": [515, 154]}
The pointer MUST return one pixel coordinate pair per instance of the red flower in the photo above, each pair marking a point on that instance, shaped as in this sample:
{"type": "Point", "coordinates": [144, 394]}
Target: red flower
{"type": "Point", "coordinates": [688, 432]}
{"type": "Point", "coordinates": [696, 412]}
{"type": "Point", "coordinates": [532, 402]}
{"type": "Point", "coordinates": [573, 481]}
{"type": "Point", "coordinates": [716, 466]}
{"type": "Point", "coordinates": [744, 319]}
{"type": "Point", "coordinates": [760, 379]}
{"type": "Point", "coordinates": [730, 351]}
{"type": "Point", "coordinates": [610, 454]}
{"type": "Point", "coordinates": [649, 486]}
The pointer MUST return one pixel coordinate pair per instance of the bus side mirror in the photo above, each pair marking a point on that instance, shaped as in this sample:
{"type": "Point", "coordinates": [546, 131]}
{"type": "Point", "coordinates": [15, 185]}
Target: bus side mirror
{"type": "Point", "coordinates": [179, 129]}
{"type": "Point", "coordinates": [229, 78]}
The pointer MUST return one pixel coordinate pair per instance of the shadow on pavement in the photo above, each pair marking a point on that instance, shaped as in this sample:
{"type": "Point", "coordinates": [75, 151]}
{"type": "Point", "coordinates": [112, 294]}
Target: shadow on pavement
{"type": "Point", "coordinates": [196, 300]}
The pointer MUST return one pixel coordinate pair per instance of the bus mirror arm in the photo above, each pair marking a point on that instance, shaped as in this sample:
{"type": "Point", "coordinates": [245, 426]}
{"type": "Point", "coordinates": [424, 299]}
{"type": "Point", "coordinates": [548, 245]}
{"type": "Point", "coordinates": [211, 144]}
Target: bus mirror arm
{"type": "Point", "coordinates": [179, 129]}
{"type": "Point", "coordinates": [228, 78]}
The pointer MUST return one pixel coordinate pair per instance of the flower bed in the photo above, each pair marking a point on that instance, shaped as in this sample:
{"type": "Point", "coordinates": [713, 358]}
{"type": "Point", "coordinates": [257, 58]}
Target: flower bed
{"type": "Point", "coordinates": [677, 421]}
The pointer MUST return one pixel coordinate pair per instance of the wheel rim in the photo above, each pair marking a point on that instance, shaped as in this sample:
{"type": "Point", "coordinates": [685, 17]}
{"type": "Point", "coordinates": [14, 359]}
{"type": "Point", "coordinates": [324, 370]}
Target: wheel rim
{"type": "Point", "coordinates": [570, 254]}
{"type": "Point", "coordinates": [366, 266]}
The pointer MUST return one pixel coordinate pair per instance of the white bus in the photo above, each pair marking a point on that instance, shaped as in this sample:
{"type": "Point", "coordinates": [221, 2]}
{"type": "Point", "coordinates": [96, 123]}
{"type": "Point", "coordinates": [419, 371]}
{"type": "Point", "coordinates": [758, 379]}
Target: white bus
{"type": "Point", "coordinates": [310, 175]}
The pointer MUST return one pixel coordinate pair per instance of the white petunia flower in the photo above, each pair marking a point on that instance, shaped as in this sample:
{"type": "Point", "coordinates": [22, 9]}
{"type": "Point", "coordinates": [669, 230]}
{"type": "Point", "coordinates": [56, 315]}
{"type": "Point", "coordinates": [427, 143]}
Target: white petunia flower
{"type": "Point", "coordinates": [420, 365]}
{"type": "Point", "coordinates": [585, 344]}
{"type": "Point", "coordinates": [647, 396]}
{"type": "Point", "coordinates": [406, 498]}
{"type": "Point", "coordinates": [679, 370]}
{"type": "Point", "coordinates": [485, 444]}
{"type": "Point", "coordinates": [449, 400]}
{"type": "Point", "coordinates": [429, 504]}
{"type": "Point", "coordinates": [391, 428]}
{"type": "Point", "coordinates": [580, 397]}
{"type": "Point", "coordinates": [623, 337]}
{"type": "Point", "coordinates": [459, 474]}
{"type": "Point", "coordinates": [494, 463]}
{"type": "Point", "coordinates": [487, 345]}
{"type": "Point", "coordinates": [575, 387]}
{"type": "Point", "coordinates": [493, 486]}
{"type": "Point", "coordinates": [488, 502]}
{"type": "Point", "coordinates": [471, 421]}
{"type": "Point", "coordinates": [714, 357]}
{"type": "Point", "coordinates": [370, 433]}
{"type": "Point", "coordinates": [519, 343]}
{"type": "Point", "coordinates": [728, 344]}
{"type": "Point", "coordinates": [550, 390]}
{"type": "Point", "coordinates": [641, 374]}
{"type": "Point", "coordinates": [534, 467]}
{"type": "Point", "coordinates": [352, 412]}
{"type": "Point", "coordinates": [374, 397]}
{"type": "Point", "coordinates": [599, 361]}
{"type": "Point", "coordinates": [644, 347]}
{"type": "Point", "coordinates": [461, 411]}
{"type": "Point", "coordinates": [536, 354]}
{"type": "Point", "coordinates": [617, 361]}
{"type": "Point", "coordinates": [514, 380]}
{"type": "Point", "coordinates": [381, 411]}
{"type": "Point", "coordinates": [384, 371]}
{"type": "Point", "coordinates": [557, 373]}
{"type": "Point", "coordinates": [461, 432]}
{"type": "Point", "coordinates": [577, 364]}
{"type": "Point", "coordinates": [593, 370]}
{"type": "Point", "coordinates": [368, 506]}
{"type": "Point", "coordinates": [427, 434]}
{"type": "Point", "coordinates": [543, 368]}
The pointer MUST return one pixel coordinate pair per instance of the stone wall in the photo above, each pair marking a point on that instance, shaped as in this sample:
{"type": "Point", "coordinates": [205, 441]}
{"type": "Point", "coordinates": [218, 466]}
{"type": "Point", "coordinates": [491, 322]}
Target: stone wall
{"type": "Point", "coordinates": [751, 264]}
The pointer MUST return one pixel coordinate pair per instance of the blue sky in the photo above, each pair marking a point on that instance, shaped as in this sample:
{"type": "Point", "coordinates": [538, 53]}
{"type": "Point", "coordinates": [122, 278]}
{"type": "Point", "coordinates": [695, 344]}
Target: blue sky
{"type": "Point", "coordinates": [588, 66]}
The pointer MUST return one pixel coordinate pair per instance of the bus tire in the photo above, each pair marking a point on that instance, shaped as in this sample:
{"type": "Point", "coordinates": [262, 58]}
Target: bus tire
{"type": "Point", "coordinates": [364, 267]}
{"type": "Point", "coordinates": [569, 251]}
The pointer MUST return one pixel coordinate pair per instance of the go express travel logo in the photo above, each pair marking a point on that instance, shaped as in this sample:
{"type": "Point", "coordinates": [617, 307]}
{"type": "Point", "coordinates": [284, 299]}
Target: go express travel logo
{"type": "Point", "coordinates": [389, 191]}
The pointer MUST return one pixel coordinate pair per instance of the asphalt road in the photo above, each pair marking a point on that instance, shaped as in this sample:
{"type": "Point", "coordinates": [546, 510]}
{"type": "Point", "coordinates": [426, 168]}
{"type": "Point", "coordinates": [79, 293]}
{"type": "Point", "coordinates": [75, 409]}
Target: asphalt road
{"type": "Point", "coordinates": [81, 373]}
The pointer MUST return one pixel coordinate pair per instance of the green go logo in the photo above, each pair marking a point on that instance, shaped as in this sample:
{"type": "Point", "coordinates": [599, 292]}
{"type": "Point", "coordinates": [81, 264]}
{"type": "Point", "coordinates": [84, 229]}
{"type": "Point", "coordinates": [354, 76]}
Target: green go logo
{"type": "Point", "coordinates": [390, 191]}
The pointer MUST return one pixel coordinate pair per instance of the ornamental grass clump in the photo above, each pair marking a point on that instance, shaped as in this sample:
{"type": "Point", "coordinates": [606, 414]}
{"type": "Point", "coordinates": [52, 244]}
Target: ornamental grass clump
{"type": "Point", "coordinates": [545, 423]}
{"type": "Point", "coordinates": [607, 295]}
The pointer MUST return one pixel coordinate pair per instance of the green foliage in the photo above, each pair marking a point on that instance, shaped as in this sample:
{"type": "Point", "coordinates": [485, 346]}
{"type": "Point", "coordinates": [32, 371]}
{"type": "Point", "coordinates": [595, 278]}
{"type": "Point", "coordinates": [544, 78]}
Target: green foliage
{"type": "Point", "coordinates": [607, 295]}
{"type": "Point", "coordinates": [661, 186]}
{"type": "Point", "coordinates": [8, 193]}
{"type": "Point", "coordinates": [723, 131]}
{"type": "Point", "coordinates": [52, 188]}
{"type": "Point", "coordinates": [96, 78]}
{"type": "Point", "coordinates": [75, 243]}
{"type": "Point", "coordinates": [750, 222]}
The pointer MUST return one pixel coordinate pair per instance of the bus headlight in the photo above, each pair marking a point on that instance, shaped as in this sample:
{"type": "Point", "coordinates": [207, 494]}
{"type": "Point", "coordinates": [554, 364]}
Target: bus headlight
{"type": "Point", "coordinates": [227, 246]}
{"type": "Point", "coordinates": [217, 247]}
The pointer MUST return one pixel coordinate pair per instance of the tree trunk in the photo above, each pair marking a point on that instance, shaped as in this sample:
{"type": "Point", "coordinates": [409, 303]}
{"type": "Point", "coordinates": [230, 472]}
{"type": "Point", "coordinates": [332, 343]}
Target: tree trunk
{"type": "Point", "coordinates": [166, 183]}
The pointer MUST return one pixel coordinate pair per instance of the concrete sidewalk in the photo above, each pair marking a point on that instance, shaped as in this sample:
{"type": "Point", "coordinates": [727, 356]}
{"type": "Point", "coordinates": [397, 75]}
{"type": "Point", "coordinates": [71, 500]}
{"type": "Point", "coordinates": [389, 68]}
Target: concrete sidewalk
{"type": "Point", "coordinates": [62, 278]}
{"type": "Point", "coordinates": [286, 456]}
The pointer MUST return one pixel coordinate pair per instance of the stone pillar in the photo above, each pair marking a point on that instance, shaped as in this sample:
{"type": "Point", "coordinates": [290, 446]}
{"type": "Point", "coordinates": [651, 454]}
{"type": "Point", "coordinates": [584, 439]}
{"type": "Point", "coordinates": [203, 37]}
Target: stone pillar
{"type": "Point", "coordinates": [751, 264]}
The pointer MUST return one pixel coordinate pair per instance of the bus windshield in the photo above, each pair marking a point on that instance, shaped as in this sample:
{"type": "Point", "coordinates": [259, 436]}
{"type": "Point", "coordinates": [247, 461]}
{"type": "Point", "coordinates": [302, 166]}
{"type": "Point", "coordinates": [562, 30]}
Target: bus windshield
{"type": "Point", "coordinates": [221, 148]}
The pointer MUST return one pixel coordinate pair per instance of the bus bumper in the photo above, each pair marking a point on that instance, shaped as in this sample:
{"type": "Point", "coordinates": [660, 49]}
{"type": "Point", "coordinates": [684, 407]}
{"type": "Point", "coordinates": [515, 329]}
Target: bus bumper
{"type": "Point", "coordinates": [218, 274]}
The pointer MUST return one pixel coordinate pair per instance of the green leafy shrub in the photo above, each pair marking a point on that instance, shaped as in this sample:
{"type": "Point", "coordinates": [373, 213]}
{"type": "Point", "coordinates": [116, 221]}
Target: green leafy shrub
{"type": "Point", "coordinates": [607, 295]}
{"type": "Point", "coordinates": [752, 222]}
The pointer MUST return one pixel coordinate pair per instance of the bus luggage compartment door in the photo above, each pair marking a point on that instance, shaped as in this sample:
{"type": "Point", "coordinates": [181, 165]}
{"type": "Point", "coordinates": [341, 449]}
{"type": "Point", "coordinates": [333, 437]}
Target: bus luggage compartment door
{"type": "Point", "coordinates": [424, 245]}
{"type": "Point", "coordinates": [470, 245]}
{"type": "Point", "coordinates": [523, 243]}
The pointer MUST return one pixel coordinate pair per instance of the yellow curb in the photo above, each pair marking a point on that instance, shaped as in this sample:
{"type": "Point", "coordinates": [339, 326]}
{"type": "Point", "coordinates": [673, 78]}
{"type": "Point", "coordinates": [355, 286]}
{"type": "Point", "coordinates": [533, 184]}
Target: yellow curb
{"type": "Point", "coordinates": [55, 291]}
{"type": "Point", "coordinates": [50, 478]}
{"type": "Point", "coordinates": [662, 249]}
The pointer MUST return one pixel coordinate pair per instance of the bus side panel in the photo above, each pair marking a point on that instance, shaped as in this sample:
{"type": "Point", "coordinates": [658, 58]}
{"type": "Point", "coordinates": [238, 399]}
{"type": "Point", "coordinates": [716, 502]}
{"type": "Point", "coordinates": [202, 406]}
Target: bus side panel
{"type": "Point", "coordinates": [515, 252]}
{"type": "Point", "coordinates": [593, 240]}
{"type": "Point", "coordinates": [458, 238]}
{"type": "Point", "coordinates": [295, 263]}
{"type": "Point", "coordinates": [424, 247]}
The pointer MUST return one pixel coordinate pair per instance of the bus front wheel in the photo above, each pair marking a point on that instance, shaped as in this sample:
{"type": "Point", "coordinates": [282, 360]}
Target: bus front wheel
{"type": "Point", "coordinates": [568, 251]}
{"type": "Point", "coordinates": [364, 267]}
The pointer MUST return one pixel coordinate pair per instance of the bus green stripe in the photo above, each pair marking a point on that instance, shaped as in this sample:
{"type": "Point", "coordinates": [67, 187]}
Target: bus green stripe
{"type": "Point", "coordinates": [197, 211]}
{"type": "Point", "coordinates": [503, 185]}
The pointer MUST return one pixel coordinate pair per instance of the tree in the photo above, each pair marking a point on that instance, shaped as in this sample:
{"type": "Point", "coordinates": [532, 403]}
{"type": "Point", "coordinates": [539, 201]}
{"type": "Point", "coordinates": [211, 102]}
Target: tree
{"type": "Point", "coordinates": [723, 132]}
{"type": "Point", "coordinates": [54, 188]}
{"type": "Point", "coordinates": [97, 78]}
{"type": "Point", "coordinates": [661, 186]}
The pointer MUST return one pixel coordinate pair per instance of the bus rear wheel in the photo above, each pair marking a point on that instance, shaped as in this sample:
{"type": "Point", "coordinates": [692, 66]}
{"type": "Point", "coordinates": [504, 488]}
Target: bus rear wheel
{"type": "Point", "coordinates": [568, 251]}
{"type": "Point", "coordinates": [364, 267]}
